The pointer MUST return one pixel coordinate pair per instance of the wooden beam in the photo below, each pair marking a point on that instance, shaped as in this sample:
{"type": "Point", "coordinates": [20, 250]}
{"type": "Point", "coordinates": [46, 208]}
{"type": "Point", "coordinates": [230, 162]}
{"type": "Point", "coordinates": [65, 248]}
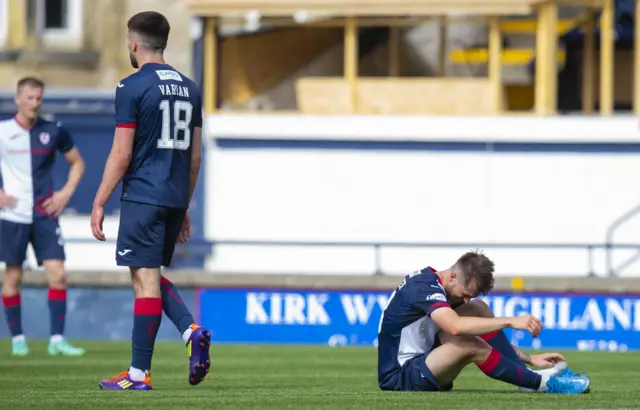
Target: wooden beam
{"type": "Point", "coordinates": [588, 64]}
{"type": "Point", "coordinates": [552, 38]}
{"type": "Point", "coordinates": [541, 57]}
{"type": "Point", "coordinates": [636, 61]}
{"type": "Point", "coordinates": [606, 58]}
{"type": "Point", "coordinates": [351, 61]}
{"type": "Point", "coordinates": [394, 51]}
{"type": "Point", "coordinates": [442, 46]}
{"type": "Point", "coordinates": [512, 56]}
{"type": "Point", "coordinates": [361, 8]}
{"type": "Point", "coordinates": [17, 21]}
{"type": "Point", "coordinates": [495, 66]}
{"type": "Point", "coordinates": [210, 58]}
{"type": "Point", "coordinates": [337, 21]}
{"type": "Point", "coordinates": [546, 82]}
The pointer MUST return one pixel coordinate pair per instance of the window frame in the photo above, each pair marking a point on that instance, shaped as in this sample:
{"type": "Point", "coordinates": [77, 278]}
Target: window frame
{"type": "Point", "coordinates": [70, 36]}
{"type": "Point", "coordinates": [4, 23]}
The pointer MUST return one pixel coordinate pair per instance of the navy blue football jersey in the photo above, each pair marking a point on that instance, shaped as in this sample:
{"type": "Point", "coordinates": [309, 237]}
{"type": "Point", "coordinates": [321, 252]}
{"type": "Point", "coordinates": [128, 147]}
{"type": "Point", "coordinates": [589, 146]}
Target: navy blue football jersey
{"type": "Point", "coordinates": [406, 330]}
{"type": "Point", "coordinates": [164, 106]}
{"type": "Point", "coordinates": [27, 157]}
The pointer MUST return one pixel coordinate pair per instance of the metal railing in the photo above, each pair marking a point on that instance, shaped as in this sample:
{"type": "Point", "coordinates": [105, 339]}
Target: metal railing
{"type": "Point", "coordinates": [204, 246]}
{"type": "Point", "coordinates": [615, 225]}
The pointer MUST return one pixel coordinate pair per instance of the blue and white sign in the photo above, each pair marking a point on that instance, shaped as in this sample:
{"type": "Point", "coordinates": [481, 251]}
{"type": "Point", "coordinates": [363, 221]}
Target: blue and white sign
{"type": "Point", "coordinates": [337, 318]}
{"type": "Point", "coordinates": [292, 316]}
{"type": "Point", "coordinates": [574, 321]}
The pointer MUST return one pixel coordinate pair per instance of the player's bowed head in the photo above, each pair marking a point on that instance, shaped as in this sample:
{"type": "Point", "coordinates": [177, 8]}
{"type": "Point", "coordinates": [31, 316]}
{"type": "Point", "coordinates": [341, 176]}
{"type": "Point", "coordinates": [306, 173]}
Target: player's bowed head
{"type": "Point", "coordinates": [470, 277]}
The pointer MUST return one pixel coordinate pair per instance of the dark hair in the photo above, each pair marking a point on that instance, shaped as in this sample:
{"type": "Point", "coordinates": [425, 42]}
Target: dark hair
{"type": "Point", "coordinates": [152, 27]}
{"type": "Point", "coordinates": [476, 266]}
{"type": "Point", "coordinates": [31, 81]}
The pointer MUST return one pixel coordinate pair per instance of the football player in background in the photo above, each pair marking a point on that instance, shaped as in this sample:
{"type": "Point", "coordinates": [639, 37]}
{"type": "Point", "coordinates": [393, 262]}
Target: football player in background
{"type": "Point", "coordinates": [157, 149]}
{"type": "Point", "coordinates": [423, 343]}
{"type": "Point", "coordinates": [29, 210]}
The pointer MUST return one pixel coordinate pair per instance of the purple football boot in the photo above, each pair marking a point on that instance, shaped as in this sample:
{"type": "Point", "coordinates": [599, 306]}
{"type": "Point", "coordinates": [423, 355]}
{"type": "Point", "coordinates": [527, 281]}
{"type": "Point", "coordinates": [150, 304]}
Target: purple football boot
{"type": "Point", "coordinates": [198, 349]}
{"type": "Point", "coordinates": [122, 381]}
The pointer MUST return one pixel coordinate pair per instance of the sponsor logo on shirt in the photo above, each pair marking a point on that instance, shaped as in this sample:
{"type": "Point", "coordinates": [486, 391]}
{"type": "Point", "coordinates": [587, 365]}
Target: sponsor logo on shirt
{"type": "Point", "coordinates": [168, 75]}
{"type": "Point", "coordinates": [437, 296]}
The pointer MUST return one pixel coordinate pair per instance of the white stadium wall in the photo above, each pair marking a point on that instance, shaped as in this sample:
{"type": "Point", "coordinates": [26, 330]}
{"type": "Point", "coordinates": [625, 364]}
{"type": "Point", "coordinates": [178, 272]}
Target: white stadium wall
{"type": "Point", "coordinates": [417, 195]}
{"type": "Point", "coordinates": [319, 193]}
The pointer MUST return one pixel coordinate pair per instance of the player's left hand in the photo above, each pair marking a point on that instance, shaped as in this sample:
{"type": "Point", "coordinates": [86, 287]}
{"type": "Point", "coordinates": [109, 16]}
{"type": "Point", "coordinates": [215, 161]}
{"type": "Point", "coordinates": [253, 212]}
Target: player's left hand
{"type": "Point", "coordinates": [546, 360]}
{"type": "Point", "coordinates": [185, 231]}
{"type": "Point", "coordinates": [97, 217]}
{"type": "Point", "coordinates": [54, 205]}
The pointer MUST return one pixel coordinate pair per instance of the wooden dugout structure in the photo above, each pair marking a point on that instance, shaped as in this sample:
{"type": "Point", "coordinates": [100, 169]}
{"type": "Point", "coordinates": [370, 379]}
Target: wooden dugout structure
{"type": "Point", "coordinates": [356, 95]}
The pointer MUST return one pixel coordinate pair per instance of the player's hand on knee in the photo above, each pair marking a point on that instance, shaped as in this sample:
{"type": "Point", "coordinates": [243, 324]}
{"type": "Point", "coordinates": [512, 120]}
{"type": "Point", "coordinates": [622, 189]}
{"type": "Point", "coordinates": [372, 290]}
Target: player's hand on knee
{"type": "Point", "coordinates": [529, 323]}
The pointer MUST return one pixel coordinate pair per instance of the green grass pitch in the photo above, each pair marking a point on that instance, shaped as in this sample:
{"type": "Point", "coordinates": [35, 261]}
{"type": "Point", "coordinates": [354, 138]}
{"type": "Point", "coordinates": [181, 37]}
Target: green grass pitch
{"type": "Point", "coordinates": [283, 377]}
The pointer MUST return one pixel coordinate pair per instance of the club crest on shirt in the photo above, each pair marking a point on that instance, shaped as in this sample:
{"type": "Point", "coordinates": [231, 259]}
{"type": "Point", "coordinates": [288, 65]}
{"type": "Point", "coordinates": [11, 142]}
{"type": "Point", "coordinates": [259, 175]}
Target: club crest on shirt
{"type": "Point", "coordinates": [44, 138]}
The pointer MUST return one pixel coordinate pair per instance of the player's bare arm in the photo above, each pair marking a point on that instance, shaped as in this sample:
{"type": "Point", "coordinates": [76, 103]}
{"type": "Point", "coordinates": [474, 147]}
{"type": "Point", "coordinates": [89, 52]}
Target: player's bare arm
{"type": "Point", "coordinates": [59, 200]}
{"type": "Point", "coordinates": [117, 164]}
{"type": "Point", "coordinates": [6, 201]}
{"type": "Point", "coordinates": [196, 161]}
{"type": "Point", "coordinates": [543, 360]}
{"type": "Point", "coordinates": [449, 321]}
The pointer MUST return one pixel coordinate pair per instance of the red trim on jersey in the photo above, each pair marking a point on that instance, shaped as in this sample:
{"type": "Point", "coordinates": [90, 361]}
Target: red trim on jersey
{"type": "Point", "coordinates": [439, 304]}
{"type": "Point", "coordinates": [24, 127]}
{"type": "Point", "coordinates": [35, 151]}
{"type": "Point", "coordinates": [437, 277]}
{"type": "Point", "coordinates": [129, 125]}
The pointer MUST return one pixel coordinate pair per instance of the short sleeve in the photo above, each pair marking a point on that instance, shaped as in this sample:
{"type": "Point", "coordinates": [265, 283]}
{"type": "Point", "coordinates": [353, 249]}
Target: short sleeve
{"type": "Point", "coordinates": [430, 299]}
{"type": "Point", "coordinates": [126, 106]}
{"type": "Point", "coordinates": [64, 140]}
{"type": "Point", "coordinates": [197, 111]}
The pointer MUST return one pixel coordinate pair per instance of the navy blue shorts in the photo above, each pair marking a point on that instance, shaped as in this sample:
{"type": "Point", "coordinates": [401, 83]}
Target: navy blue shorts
{"type": "Point", "coordinates": [147, 234]}
{"type": "Point", "coordinates": [43, 234]}
{"type": "Point", "coordinates": [415, 375]}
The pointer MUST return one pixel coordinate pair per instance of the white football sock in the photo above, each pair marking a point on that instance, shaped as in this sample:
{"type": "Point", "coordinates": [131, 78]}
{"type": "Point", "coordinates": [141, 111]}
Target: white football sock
{"type": "Point", "coordinates": [18, 338]}
{"type": "Point", "coordinates": [543, 383]}
{"type": "Point", "coordinates": [137, 374]}
{"type": "Point", "coordinates": [550, 372]}
{"type": "Point", "coordinates": [56, 339]}
{"type": "Point", "coordinates": [187, 334]}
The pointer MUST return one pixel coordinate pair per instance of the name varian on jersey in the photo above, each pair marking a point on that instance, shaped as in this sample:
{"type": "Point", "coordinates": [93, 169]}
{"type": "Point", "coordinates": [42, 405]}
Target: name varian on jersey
{"type": "Point", "coordinates": [27, 157]}
{"type": "Point", "coordinates": [164, 107]}
{"type": "Point", "coordinates": [406, 329]}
